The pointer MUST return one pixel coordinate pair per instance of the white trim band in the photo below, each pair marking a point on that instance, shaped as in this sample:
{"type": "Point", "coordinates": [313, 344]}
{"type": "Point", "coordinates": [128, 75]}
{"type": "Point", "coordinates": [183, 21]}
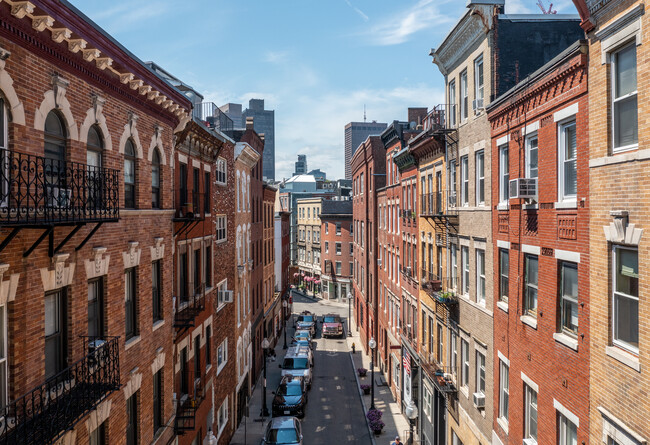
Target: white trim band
{"type": "Point", "coordinates": [566, 255]}
{"type": "Point", "coordinates": [566, 112]}
{"type": "Point", "coordinates": [503, 244]}
{"type": "Point", "coordinates": [566, 413]}
{"type": "Point", "coordinates": [527, 248]}
{"type": "Point", "coordinates": [529, 382]}
{"type": "Point", "coordinates": [503, 140]}
{"type": "Point", "coordinates": [503, 358]}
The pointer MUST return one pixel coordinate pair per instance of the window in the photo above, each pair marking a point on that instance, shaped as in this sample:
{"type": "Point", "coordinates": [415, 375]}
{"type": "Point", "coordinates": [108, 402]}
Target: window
{"type": "Point", "coordinates": [454, 438]}
{"type": "Point", "coordinates": [208, 346]}
{"type": "Point", "coordinates": [327, 231]}
{"type": "Point", "coordinates": [94, 149]}
{"type": "Point", "coordinates": [182, 277]}
{"type": "Point", "coordinates": [504, 390]}
{"type": "Point", "coordinates": [530, 418]}
{"type": "Point", "coordinates": [453, 352]}
{"type": "Point", "coordinates": [222, 355]}
{"type": "Point", "coordinates": [338, 228]}
{"type": "Point", "coordinates": [129, 175]}
{"type": "Point", "coordinates": [480, 276]}
{"type": "Point", "coordinates": [157, 401]}
{"type": "Point", "coordinates": [221, 228]}
{"type": "Point", "coordinates": [480, 372]}
{"type": "Point", "coordinates": [480, 178]}
{"type": "Point", "coordinates": [4, 375]}
{"type": "Point", "coordinates": [454, 266]}
{"type": "Point", "coordinates": [626, 298]}
{"type": "Point", "coordinates": [441, 344]}
{"type": "Point", "coordinates": [464, 264]}
{"type": "Point", "coordinates": [132, 419]}
{"type": "Point", "coordinates": [452, 184]}
{"type": "Point", "coordinates": [222, 415]}
{"type": "Point", "coordinates": [96, 309]}
{"type": "Point", "coordinates": [352, 249]}
{"type": "Point", "coordinates": [504, 265]}
{"type": "Point", "coordinates": [351, 269]}
{"type": "Point", "coordinates": [130, 303]}
{"type": "Point", "coordinates": [182, 188]}
{"type": "Point", "coordinates": [338, 268]}
{"type": "Point", "coordinates": [568, 174]}
{"type": "Point", "coordinates": [55, 148]}
{"type": "Point", "coordinates": [196, 264]}
{"type": "Point", "coordinates": [156, 291]}
{"type": "Point", "coordinates": [504, 174]}
{"type": "Point", "coordinates": [464, 357]}
{"type": "Point", "coordinates": [155, 180]}
{"type": "Point", "coordinates": [452, 103]}
{"type": "Point", "coordinates": [567, 431]}
{"type": "Point", "coordinates": [207, 198]}
{"type": "Point", "coordinates": [396, 372]}
{"type": "Point", "coordinates": [478, 80]}
{"type": "Point", "coordinates": [531, 156]}
{"type": "Point", "coordinates": [327, 246]}
{"type": "Point", "coordinates": [464, 100]}
{"type": "Point", "coordinates": [530, 286]}
{"type": "Point", "coordinates": [98, 436]}
{"type": "Point", "coordinates": [338, 248]}
{"type": "Point", "coordinates": [56, 349]}
{"type": "Point", "coordinates": [197, 357]}
{"type": "Point", "coordinates": [624, 92]}
{"type": "Point", "coordinates": [569, 298]}
{"type": "Point", "coordinates": [464, 181]}
{"type": "Point", "coordinates": [220, 171]}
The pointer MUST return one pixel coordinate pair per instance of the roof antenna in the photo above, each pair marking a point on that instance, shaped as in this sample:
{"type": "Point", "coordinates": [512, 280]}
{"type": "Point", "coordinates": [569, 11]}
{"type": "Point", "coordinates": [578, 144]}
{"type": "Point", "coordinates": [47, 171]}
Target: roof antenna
{"type": "Point", "coordinates": [364, 112]}
{"type": "Point", "coordinates": [544, 10]}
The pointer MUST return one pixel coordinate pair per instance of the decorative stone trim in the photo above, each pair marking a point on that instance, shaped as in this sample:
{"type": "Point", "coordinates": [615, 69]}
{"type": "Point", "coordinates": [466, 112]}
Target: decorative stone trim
{"type": "Point", "coordinates": [503, 140]}
{"type": "Point", "coordinates": [131, 257]}
{"type": "Point", "coordinates": [98, 266]}
{"type": "Point", "coordinates": [60, 276]}
{"type": "Point", "coordinates": [131, 131]}
{"type": "Point", "coordinates": [158, 249]}
{"type": "Point", "coordinates": [157, 141]}
{"type": "Point", "coordinates": [8, 287]}
{"type": "Point", "coordinates": [95, 116]}
{"type": "Point", "coordinates": [615, 429]}
{"type": "Point", "coordinates": [619, 231]}
{"type": "Point", "coordinates": [133, 384]}
{"type": "Point", "coordinates": [7, 86]}
{"type": "Point", "coordinates": [158, 362]}
{"type": "Point", "coordinates": [98, 415]}
{"type": "Point", "coordinates": [55, 99]}
{"type": "Point", "coordinates": [529, 382]}
{"type": "Point", "coordinates": [626, 28]}
{"type": "Point", "coordinates": [21, 9]}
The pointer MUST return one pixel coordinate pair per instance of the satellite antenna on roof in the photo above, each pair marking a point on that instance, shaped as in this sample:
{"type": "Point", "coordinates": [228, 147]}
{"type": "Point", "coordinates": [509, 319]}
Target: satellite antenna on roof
{"type": "Point", "coordinates": [544, 10]}
{"type": "Point", "coordinates": [364, 112]}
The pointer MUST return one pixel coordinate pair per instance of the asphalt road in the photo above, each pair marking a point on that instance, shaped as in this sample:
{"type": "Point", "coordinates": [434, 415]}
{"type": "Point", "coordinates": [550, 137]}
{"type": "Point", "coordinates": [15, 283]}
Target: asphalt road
{"type": "Point", "coordinates": [334, 413]}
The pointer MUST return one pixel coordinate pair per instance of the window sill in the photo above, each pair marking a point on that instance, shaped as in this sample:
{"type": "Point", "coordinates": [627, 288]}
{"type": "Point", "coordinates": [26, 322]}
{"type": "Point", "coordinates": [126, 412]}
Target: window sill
{"type": "Point", "coordinates": [624, 357]}
{"type": "Point", "coordinates": [221, 241]}
{"type": "Point", "coordinates": [566, 205]}
{"type": "Point", "coordinates": [208, 367]}
{"type": "Point", "coordinates": [503, 206]}
{"type": "Point", "coordinates": [503, 306]}
{"type": "Point", "coordinates": [132, 342]}
{"type": "Point", "coordinates": [503, 423]}
{"type": "Point", "coordinates": [566, 340]}
{"type": "Point", "coordinates": [465, 391]}
{"type": "Point", "coordinates": [220, 368]}
{"type": "Point", "coordinates": [530, 321]}
{"type": "Point", "coordinates": [157, 325]}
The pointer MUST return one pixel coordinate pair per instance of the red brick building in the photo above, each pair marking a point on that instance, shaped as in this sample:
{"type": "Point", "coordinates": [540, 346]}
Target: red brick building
{"type": "Point", "coordinates": [271, 295]}
{"type": "Point", "coordinates": [86, 216]}
{"type": "Point", "coordinates": [337, 248]}
{"type": "Point", "coordinates": [368, 167]}
{"type": "Point", "coordinates": [540, 180]}
{"type": "Point", "coordinates": [282, 246]}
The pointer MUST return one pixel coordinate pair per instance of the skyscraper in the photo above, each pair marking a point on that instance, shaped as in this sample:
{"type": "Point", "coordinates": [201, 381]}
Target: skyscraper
{"type": "Point", "coordinates": [301, 165]}
{"type": "Point", "coordinates": [263, 123]}
{"type": "Point", "coordinates": [355, 134]}
{"type": "Point", "coordinates": [233, 111]}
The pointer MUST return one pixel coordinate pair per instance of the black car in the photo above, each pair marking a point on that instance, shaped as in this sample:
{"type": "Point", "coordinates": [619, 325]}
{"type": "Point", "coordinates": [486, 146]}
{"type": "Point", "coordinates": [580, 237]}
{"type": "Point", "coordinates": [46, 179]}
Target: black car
{"type": "Point", "coordinates": [290, 398]}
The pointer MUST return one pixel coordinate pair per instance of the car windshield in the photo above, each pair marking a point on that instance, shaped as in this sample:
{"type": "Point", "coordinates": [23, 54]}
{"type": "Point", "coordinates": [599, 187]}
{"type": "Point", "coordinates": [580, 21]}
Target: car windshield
{"type": "Point", "coordinates": [282, 435]}
{"type": "Point", "coordinates": [289, 390]}
{"type": "Point", "coordinates": [330, 320]}
{"type": "Point", "coordinates": [302, 334]}
{"type": "Point", "coordinates": [307, 318]}
{"type": "Point", "coordinates": [295, 363]}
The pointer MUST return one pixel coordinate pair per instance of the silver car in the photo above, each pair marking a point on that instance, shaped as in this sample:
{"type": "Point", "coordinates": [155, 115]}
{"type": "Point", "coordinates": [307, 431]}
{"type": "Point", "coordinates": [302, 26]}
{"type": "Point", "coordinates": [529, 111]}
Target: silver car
{"type": "Point", "coordinates": [283, 431]}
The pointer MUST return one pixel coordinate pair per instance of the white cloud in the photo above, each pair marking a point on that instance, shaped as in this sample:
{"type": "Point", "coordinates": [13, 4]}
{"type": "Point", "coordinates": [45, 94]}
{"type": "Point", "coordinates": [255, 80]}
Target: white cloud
{"type": "Point", "coordinates": [358, 11]}
{"type": "Point", "coordinates": [276, 56]}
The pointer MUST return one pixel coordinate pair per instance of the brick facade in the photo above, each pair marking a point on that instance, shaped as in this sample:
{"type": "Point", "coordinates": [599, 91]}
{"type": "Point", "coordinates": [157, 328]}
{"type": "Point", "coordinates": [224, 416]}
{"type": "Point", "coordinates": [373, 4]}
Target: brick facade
{"type": "Point", "coordinates": [336, 266]}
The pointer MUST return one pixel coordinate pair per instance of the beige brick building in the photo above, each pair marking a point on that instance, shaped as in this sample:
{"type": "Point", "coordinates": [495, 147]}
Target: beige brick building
{"type": "Point", "coordinates": [309, 243]}
{"type": "Point", "coordinates": [618, 70]}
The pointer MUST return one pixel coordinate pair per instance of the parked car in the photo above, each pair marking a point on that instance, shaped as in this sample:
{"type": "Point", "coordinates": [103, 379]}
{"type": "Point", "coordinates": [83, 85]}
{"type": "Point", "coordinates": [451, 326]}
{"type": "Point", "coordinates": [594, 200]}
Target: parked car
{"type": "Point", "coordinates": [302, 334]}
{"type": "Point", "coordinates": [302, 342]}
{"type": "Point", "coordinates": [283, 431]}
{"type": "Point", "coordinates": [297, 362]}
{"type": "Point", "coordinates": [307, 320]}
{"type": "Point", "coordinates": [290, 397]}
{"type": "Point", "coordinates": [332, 326]}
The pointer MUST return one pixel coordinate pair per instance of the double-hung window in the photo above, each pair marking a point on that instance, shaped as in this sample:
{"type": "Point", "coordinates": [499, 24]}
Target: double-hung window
{"type": "Point", "coordinates": [464, 181]}
{"type": "Point", "coordinates": [480, 276]}
{"type": "Point", "coordinates": [452, 184]}
{"type": "Point", "coordinates": [480, 178]}
{"type": "Point", "coordinates": [568, 173]}
{"type": "Point", "coordinates": [531, 156]}
{"type": "Point", "coordinates": [480, 372]}
{"type": "Point", "coordinates": [530, 415]}
{"type": "Point", "coordinates": [478, 81]}
{"type": "Point", "coordinates": [441, 344]}
{"type": "Point", "coordinates": [530, 285]}
{"type": "Point", "coordinates": [504, 265]}
{"type": "Point", "coordinates": [504, 174]}
{"type": "Point", "coordinates": [504, 390]}
{"type": "Point", "coordinates": [569, 298]}
{"type": "Point", "coordinates": [156, 291]}
{"type": "Point", "coordinates": [625, 302]}
{"type": "Point", "coordinates": [624, 95]}
{"type": "Point", "coordinates": [464, 357]}
{"type": "Point", "coordinates": [453, 273]}
{"type": "Point", "coordinates": [464, 99]}
{"type": "Point", "coordinates": [130, 290]}
{"type": "Point", "coordinates": [464, 264]}
{"type": "Point", "coordinates": [453, 352]}
{"type": "Point", "coordinates": [452, 103]}
{"type": "Point", "coordinates": [567, 431]}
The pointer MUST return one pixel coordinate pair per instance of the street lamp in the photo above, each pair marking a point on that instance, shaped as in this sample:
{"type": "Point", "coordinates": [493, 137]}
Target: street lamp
{"type": "Point", "coordinates": [265, 410]}
{"type": "Point", "coordinates": [349, 313]}
{"type": "Point", "coordinates": [284, 320]}
{"type": "Point", "coordinates": [373, 344]}
{"type": "Point", "coordinates": [411, 412]}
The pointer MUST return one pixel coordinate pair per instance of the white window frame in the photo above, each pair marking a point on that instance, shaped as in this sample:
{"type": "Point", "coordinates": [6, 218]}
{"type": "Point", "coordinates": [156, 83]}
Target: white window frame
{"type": "Point", "coordinates": [464, 363]}
{"type": "Point", "coordinates": [221, 223]}
{"type": "Point", "coordinates": [480, 277]}
{"type": "Point", "coordinates": [573, 300]}
{"type": "Point", "coordinates": [504, 391]}
{"type": "Point", "coordinates": [222, 286]}
{"type": "Point", "coordinates": [565, 428]}
{"type": "Point", "coordinates": [528, 310]}
{"type": "Point", "coordinates": [504, 177]}
{"type": "Point", "coordinates": [222, 416]}
{"type": "Point", "coordinates": [464, 264]}
{"type": "Point", "coordinates": [453, 202]}
{"type": "Point", "coordinates": [221, 169]}
{"type": "Point", "coordinates": [622, 344]}
{"type": "Point", "coordinates": [464, 96]}
{"type": "Point", "coordinates": [562, 160]}
{"type": "Point", "coordinates": [530, 407]}
{"type": "Point", "coordinates": [452, 103]}
{"type": "Point", "coordinates": [480, 372]}
{"type": "Point", "coordinates": [480, 177]}
{"type": "Point", "coordinates": [529, 139]}
{"type": "Point", "coordinates": [464, 181]}
{"type": "Point", "coordinates": [613, 57]}
{"type": "Point", "coordinates": [453, 352]}
{"type": "Point", "coordinates": [339, 248]}
{"type": "Point", "coordinates": [222, 355]}
{"type": "Point", "coordinates": [504, 298]}
{"type": "Point", "coordinates": [479, 83]}
{"type": "Point", "coordinates": [453, 266]}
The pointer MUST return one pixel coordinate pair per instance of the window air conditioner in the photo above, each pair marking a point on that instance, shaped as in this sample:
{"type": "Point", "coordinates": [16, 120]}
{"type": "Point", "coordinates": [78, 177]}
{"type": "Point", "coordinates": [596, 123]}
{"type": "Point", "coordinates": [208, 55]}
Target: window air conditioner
{"type": "Point", "coordinates": [408, 271]}
{"type": "Point", "coordinates": [225, 296]}
{"type": "Point", "coordinates": [479, 400]}
{"type": "Point", "coordinates": [523, 188]}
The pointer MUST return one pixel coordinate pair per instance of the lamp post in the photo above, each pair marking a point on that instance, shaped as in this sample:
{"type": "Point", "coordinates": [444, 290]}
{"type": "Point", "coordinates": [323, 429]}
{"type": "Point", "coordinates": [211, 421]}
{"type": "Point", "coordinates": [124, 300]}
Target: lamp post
{"type": "Point", "coordinates": [265, 410]}
{"type": "Point", "coordinates": [284, 320]}
{"type": "Point", "coordinates": [373, 344]}
{"type": "Point", "coordinates": [411, 412]}
{"type": "Point", "coordinates": [349, 313]}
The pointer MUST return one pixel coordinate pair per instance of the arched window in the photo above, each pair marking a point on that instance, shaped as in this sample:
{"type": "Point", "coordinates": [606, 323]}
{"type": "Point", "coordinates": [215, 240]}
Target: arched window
{"type": "Point", "coordinates": [129, 175]}
{"type": "Point", "coordinates": [95, 146]}
{"type": "Point", "coordinates": [55, 144]}
{"type": "Point", "coordinates": [4, 158]}
{"type": "Point", "coordinates": [155, 180]}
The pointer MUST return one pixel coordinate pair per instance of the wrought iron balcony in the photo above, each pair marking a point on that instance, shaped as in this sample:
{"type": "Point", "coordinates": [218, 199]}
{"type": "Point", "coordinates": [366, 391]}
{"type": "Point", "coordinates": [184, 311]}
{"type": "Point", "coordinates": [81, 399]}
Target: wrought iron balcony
{"type": "Point", "coordinates": [188, 404]}
{"type": "Point", "coordinates": [35, 190]}
{"type": "Point", "coordinates": [441, 117]}
{"type": "Point", "coordinates": [438, 203]}
{"type": "Point", "coordinates": [444, 377]}
{"type": "Point", "coordinates": [48, 411]}
{"type": "Point", "coordinates": [442, 289]}
{"type": "Point", "coordinates": [190, 207]}
{"type": "Point", "coordinates": [189, 308]}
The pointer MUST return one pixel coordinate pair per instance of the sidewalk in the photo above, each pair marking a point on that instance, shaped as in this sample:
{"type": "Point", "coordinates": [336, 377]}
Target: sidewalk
{"type": "Point", "coordinates": [396, 422]}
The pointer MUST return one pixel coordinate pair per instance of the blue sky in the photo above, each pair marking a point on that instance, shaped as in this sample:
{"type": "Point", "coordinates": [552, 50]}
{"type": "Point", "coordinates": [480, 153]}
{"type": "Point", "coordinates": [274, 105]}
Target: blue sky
{"type": "Point", "coordinates": [316, 63]}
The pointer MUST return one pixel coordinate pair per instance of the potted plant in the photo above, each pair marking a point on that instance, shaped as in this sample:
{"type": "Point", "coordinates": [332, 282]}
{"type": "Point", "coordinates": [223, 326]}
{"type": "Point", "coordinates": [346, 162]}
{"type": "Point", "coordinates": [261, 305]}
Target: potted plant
{"type": "Point", "coordinates": [374, 421]}
{"type": "Point", "coordinates": [362, 372]}
{"type": "Point", "coordinates": [366, 389]}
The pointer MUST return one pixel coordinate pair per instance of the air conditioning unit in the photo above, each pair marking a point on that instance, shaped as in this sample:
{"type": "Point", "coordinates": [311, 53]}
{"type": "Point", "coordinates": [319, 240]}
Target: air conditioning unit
{"type": "Point", "coordinates": [523, 188]}
{"type": "Point", "coordinates": [530, 441]}
{"type": "Point", "coordinates": [59, 197]}
{"type": "Point", "coordinates": [226, 296]}
{"type": "Point", "coordinates": [439, 242]}
{"type": "Point", "coordinates": [479, 400]}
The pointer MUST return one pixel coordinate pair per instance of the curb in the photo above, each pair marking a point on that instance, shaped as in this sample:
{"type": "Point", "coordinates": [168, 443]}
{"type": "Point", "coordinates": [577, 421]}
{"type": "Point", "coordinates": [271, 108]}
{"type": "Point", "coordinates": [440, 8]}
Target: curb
{"type": "Point", "coordinates": [371, 434]}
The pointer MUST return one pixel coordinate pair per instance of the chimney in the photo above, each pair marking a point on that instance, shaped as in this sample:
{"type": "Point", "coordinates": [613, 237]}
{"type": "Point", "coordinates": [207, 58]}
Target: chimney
{"type": "Point", "coordinates": [416, 115]}
{"type": "Point", "coordinates": [249, 122]}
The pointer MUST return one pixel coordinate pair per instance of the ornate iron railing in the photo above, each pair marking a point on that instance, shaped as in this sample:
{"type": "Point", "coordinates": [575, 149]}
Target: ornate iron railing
{"type": "Point", "coordinates": [38, 190]}
{"type": "Point", "coordinates": [45, 413]}
{"type": "Point", "coordinates": [445, 378]}
{"type": "Point", "coordinates": [213, 117]}
{"type": "Point", "coordinates": [189, 308]}
{"type": "Point", "coordinates": [442, 289]}
{"type": "Point", "coordinates": [188, 404]}
{"type": "Point", "coordinates": [438, 203]}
